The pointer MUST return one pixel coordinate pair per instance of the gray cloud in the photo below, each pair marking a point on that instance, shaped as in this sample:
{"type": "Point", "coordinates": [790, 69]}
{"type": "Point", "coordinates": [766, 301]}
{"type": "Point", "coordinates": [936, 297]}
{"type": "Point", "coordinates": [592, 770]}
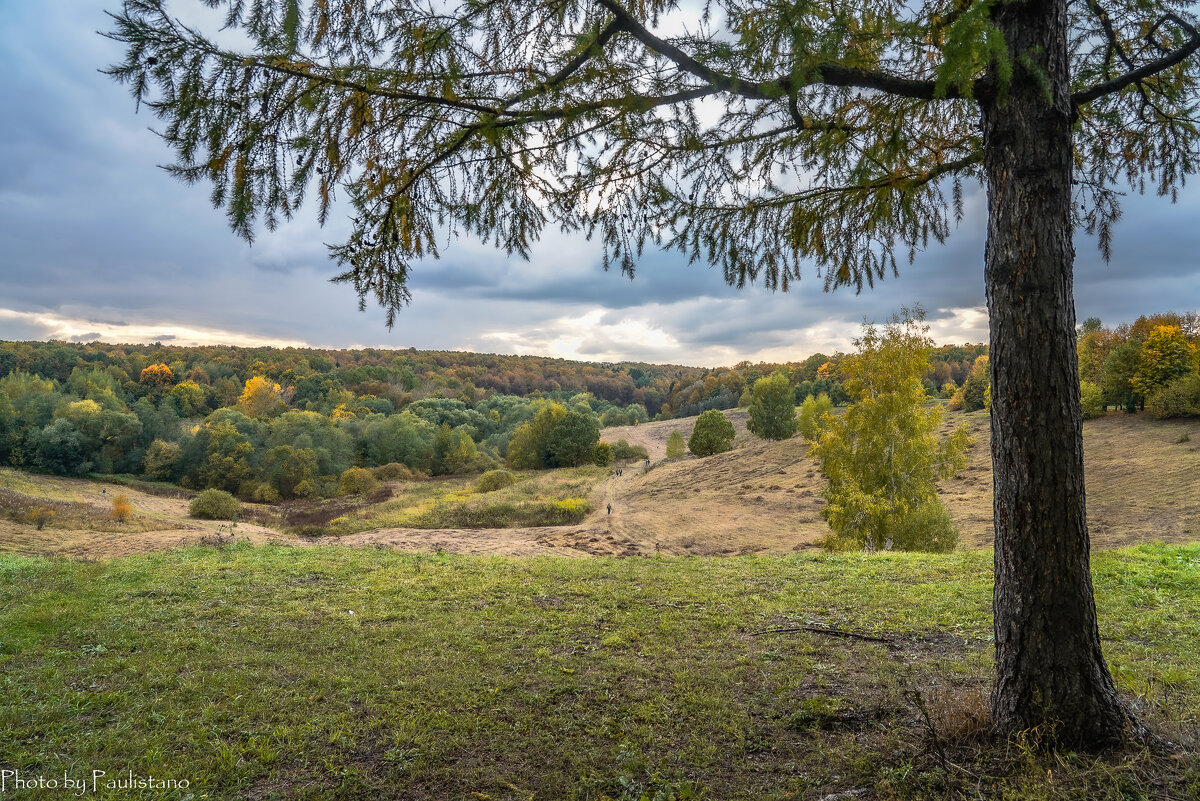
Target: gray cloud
{"type": "Point", "coordinates": [91, 231]}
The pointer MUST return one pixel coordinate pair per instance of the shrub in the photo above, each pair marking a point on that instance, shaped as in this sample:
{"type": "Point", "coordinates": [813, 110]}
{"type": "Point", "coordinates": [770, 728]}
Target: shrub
{"type": "Point", "coordinates": [675, 445]}
{"type": "Point", "coordinates": [1180, 398]}
{"type": "Point", "coordinates": [1091, 399]}
{"type": "Point", "coordinates": [265, 493]}
{"type": "Point", "coordinates": [304, 489]}
{"type": "Point", "coordinates": [215, 504]}
{"type": "Point", "coordinates": [505, 515]}
{"type": "Point", "coordinates": [494, 480]}
{"type": "Point", "coordinates": [357, 481]}
{"type": "Point", "coordinates": [623, 450]}
{"type": "Point", "coordinates": [121, 508]}
{"type": "Point", "coordinates": [393, 471]}
{"type": "Point", "coordinates": [602, 454]}
{"type": "Point", "coordinates": [40, 517]}
{"type": "Point", "coordinates": [711, 434]}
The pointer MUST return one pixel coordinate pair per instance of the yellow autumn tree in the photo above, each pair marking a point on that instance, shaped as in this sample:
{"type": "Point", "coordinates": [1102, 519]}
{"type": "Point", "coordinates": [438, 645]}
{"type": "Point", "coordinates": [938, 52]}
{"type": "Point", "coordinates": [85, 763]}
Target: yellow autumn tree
{"type": "Point", "coordinates": [261, 397]}
{"type": "Point", "coordinates": [1166, 355]}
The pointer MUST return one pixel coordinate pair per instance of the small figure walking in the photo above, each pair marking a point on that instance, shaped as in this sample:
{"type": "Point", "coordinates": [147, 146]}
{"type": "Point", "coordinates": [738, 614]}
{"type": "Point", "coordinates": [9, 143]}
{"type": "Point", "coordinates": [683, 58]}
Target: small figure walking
{"type": "Point", "coordinates": [610, 508]}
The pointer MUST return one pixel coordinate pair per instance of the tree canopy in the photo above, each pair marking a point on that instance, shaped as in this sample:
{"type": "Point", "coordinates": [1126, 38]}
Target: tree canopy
{"type": "Point", "coordinates": [836, 122]}
{"type": "Point", "coordinates": [756, 136]}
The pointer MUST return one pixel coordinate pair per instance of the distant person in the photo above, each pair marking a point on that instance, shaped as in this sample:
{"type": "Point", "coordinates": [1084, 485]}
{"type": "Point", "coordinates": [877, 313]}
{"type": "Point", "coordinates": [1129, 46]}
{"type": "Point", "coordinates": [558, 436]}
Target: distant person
{"type": "Point", "coordinates": [610, 508]}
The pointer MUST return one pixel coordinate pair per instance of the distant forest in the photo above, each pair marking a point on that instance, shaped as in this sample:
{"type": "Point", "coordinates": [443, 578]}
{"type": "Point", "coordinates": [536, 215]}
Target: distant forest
{"type": "Point", "coordinates": [269, 423]}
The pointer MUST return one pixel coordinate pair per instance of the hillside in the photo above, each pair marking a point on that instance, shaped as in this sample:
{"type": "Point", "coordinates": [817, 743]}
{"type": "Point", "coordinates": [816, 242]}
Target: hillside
{"type": "Point", "coordinates": [1143, 485]}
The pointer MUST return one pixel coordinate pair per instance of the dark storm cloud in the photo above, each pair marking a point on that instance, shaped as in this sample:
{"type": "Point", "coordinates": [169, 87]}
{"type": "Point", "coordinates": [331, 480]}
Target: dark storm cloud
{"type": "Point", "coordinates": [91, 231]}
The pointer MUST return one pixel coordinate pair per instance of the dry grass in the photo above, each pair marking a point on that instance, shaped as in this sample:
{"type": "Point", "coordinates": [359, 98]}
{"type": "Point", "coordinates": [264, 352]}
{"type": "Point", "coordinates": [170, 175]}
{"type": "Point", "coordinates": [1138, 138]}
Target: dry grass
{"type": "Point", "coordinates": [82, 526]}
{"type": "Point", "coordinates": [1143, 485]}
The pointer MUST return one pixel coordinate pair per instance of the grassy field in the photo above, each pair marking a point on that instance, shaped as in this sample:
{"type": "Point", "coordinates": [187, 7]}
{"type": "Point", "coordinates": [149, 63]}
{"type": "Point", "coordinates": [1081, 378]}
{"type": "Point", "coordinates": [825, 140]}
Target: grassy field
{"type": "Point", "coordinates": [258, 672]}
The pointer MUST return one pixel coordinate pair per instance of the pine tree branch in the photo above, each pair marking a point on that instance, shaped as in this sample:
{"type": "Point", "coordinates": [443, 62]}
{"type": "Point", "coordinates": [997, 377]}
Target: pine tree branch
{"type": "Point", "coordinates": [585, 54]}
{"type": "Point", "coordinates": [909, 182]}
{"type": "Point", "coordinates": [1146, 70]}
{"type": "Point", "coordinates": [827, 73]}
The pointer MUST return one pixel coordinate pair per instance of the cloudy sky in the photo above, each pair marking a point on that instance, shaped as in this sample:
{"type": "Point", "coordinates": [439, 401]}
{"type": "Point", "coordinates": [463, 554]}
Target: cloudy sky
{"type": "Point", "coordinates": [97, 242]}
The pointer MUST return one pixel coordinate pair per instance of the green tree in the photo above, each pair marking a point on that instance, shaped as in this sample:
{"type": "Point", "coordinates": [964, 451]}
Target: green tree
{"type": "Point", "coordinates": [711, 434]}
{"type": "Point", "coordinates": [572, 441]}
{"type": "Point", "coordinates": [977, 385]}
{"type": "Point", "coordinates": [810, 421]}
{"type": "Point", "coordinates": [227, 453]}
{"type": "Point", "coordinates": [602, 454]}
{"type": "Point", "coordinates": [526, 449]}
{"type": "Point", "coordinates": [882, 457]}
{"type": "Point", "coordinates": [772, 407]}
{"type": "Point", "coordinates": [843, 137]}
{"type": "Point", "coordinates": [1091, 400]}
{"type": "Point", "coordinates": [161, 459]}
{"type": "Point", "coordinates": [1094, 345]}
{"type": "Point", "coordinates": [286, 468]}
{"type": "Point", "coordinates": [7, 427]}
{"type": "Point", "coordinates": [1116, 377]}
{"type": "Point", "coordinates": [675, 445]}
{"type": "Point", "coordinates": [59, 448]}
{"type": "Point", "coordinates": [1180, 398]}
{"type": "Point", "coordinates": [189, 399]}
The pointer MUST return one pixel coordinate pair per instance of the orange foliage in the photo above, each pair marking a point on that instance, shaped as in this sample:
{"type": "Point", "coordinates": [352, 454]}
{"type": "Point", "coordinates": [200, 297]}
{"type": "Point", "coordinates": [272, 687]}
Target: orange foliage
{"type": "Point", "coordinates": [157, 375]}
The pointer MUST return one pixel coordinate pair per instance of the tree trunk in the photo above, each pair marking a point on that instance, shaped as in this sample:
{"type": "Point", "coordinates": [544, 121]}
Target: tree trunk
{"type": "Point", "coordinates": [1050, 673]}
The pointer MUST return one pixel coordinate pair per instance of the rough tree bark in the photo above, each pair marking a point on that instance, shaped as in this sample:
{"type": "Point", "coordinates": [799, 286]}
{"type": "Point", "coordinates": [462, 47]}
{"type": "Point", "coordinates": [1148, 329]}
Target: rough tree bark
{"type": "Point", "coordinates": [1048, 660]}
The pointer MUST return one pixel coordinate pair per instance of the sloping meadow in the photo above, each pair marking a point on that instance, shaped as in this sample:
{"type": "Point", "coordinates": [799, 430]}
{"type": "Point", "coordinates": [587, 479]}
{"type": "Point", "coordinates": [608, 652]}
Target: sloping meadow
{"type": "Point", "coordinates": [274, 672]}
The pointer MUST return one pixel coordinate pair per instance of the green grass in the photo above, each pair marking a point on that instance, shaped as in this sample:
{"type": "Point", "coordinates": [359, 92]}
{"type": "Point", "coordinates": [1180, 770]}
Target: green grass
{"type": "Point", "coordinates": [269, 672]}
{"type": "Point", "coordinates": [539, 498]}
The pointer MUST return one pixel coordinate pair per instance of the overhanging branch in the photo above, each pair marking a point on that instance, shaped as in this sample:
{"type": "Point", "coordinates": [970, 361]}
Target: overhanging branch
{"type": "Point", "coordinates": [1146, 70]}
{"type": "Point", "coordinates": [827, 73]}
